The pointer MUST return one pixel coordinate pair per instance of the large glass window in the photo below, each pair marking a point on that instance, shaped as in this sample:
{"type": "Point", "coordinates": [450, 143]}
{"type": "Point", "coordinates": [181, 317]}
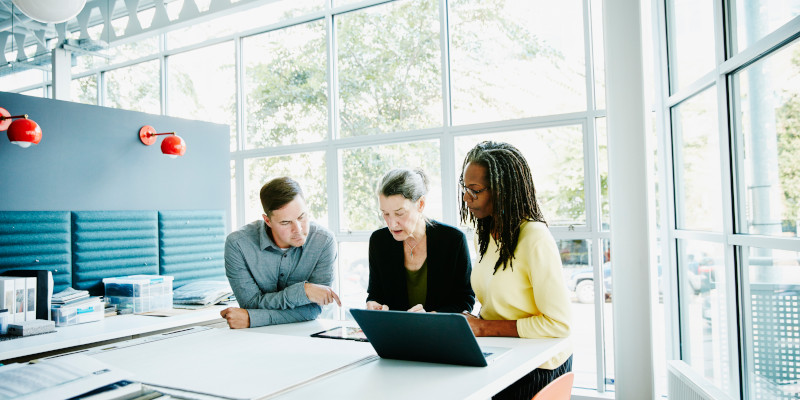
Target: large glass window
{"type": "Point", "coordinates": [136, 88]}
{"type": "Point", "coordinates": [515, 59]}
{"type": "Point", "coordinates": [767, 105]}
{"type": "Point", "coordinates": [362, 168]}
{"type": "Point", "coordinates": [389, 68]}
{"type": "Point", "coordinates": [555, 156]}
{"type": "Point", "coordinates": [286, 86]}
{"type": "Point", "coordinates": [695, 133]}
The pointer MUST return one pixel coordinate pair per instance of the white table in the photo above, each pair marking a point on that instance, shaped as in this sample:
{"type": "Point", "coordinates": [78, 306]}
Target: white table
{"type": "Point", "coordinates": [118, 327]}
{"type": "Point", "coordinates": [380, 378]}
{"type": "Point", "coordinates": [395, 379]}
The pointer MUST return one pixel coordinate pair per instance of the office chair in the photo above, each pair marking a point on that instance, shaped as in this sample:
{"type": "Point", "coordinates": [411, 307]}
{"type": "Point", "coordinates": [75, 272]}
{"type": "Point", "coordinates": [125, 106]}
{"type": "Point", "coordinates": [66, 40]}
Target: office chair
{"type": "Point", "coordinates": [559, 389]}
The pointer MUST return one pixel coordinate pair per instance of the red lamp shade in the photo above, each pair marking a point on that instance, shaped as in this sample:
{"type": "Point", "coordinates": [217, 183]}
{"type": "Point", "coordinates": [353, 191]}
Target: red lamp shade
{"type": "Point", "coordinates": [24, 132]}
{"type": "Point", "coordinates": [173, 146]}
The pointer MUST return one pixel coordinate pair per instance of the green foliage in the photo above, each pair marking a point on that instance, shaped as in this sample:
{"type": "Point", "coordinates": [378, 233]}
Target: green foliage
{"type": "Point", "coordinates": [389, 62]}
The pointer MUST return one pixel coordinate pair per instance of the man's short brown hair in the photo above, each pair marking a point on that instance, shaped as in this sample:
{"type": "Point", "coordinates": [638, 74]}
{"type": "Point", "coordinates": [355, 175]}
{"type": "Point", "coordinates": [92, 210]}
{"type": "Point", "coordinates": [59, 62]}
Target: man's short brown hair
{"type": "Point", "coordinates": [279, 192]}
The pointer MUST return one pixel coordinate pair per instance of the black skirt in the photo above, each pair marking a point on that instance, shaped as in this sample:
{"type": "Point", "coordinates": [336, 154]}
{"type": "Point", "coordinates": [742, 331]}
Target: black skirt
{"type": "Point", "coordinates": [530, 384]}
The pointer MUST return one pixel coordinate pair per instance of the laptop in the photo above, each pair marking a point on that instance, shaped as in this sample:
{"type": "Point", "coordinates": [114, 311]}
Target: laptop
{"type": "Point", "coordinates": [430, 337]}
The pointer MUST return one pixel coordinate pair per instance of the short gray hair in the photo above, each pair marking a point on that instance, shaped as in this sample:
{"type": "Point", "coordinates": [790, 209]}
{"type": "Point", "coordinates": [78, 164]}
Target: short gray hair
{"type": "Point", "coordinates": [409, 183]}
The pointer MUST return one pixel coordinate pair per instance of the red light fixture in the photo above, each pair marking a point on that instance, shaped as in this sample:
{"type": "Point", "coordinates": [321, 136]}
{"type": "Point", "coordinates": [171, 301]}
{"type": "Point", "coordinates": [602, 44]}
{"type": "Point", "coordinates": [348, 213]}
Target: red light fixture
{"type": "Point", "coordinates": [173, 146]}
{"type": "Point", "coordinates": [23, 132]}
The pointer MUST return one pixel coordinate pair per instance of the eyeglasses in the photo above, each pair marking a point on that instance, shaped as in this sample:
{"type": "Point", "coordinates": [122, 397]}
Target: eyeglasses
{"type": "Point", "coordinates": [472, 193]}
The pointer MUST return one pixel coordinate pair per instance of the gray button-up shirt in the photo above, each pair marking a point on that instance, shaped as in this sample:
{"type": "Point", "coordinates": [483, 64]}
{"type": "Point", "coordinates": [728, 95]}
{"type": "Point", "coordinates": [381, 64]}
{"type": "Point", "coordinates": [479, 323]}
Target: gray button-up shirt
{"type": "Point", "coordinates": [269, 282]}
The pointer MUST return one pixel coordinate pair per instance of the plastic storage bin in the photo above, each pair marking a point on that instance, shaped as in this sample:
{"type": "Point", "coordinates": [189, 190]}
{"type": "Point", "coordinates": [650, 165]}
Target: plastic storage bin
{"type": "Point", "coordinates": [72, 314]}
{"type": "Point", "coordinates": [139, 293]}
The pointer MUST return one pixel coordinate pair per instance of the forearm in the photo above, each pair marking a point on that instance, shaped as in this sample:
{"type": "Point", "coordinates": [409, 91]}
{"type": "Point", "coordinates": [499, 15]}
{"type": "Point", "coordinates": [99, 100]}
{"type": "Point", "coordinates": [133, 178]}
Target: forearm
{"type": "Point", "coordinates": [249, 295]}
{"type": "Point", "coordinates": [506, 328]}
{"type": "Point", "coordinates": [262, 317]}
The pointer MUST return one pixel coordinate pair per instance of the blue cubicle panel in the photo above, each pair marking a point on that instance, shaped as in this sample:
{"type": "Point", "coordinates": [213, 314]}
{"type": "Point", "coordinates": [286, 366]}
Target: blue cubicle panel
{"type": "Point", "coordinates": [192, 245]}
{"type": "Point", "coordinates": [37, 240]}
{"type": "Point", "coordinates": [112, 243]}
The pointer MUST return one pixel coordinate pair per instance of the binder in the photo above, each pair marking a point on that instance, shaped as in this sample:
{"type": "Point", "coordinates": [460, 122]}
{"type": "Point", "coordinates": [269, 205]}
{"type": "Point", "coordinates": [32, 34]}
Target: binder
{"type": "Point", "coordinates": [30, 298]}
{"type": "Point", "coordinates": [44, 288]}
{"type": "Point", "coordinates": [7, 296]}
{"type": "Point", "coordinates": [19, 300]}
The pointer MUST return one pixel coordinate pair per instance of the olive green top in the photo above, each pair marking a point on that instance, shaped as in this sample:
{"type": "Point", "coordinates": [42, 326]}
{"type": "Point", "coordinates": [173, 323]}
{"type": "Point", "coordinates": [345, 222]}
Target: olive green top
{"type": "Point", "coordinates": [417, 284]}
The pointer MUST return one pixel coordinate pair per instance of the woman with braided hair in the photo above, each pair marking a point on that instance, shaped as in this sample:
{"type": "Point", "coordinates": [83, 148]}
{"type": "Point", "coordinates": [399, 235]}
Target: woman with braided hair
{"type": "Point", "coordinates": [517, 278]}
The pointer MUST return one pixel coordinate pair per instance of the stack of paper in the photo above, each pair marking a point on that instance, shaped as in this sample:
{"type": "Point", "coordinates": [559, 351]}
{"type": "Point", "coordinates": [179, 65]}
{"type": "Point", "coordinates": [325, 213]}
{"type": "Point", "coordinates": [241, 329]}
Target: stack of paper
{"type": "Point", "coordinates": [69, 295]}
{"type": "Point", "coordinates": [201, 293]}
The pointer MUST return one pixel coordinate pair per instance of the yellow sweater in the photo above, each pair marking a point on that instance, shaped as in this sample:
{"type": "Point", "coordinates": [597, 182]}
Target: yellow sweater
{"type": "Point", "coordinates": [533, 293]}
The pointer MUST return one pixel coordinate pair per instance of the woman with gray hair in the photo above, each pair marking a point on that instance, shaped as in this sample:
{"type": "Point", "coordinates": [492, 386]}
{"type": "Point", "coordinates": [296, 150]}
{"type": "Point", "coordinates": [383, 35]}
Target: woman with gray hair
{"type": "Point", "coordinates": [416, 263]}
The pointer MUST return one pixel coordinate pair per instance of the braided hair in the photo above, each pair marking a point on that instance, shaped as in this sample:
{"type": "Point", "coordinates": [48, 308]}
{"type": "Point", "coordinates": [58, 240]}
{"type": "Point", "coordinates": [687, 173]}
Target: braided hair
{"type": "Point", "coordinates": [513, 198]}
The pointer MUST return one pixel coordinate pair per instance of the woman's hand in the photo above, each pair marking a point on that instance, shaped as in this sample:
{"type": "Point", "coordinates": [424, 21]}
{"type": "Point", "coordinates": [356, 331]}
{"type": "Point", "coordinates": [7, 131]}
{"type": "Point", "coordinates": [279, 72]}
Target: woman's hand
{"type": "Point", "coordinates": [374, 305]}
{"type": "Point", "coordinates": [417, 308]}
{"type": "Point", "coordinates": [474, 322]}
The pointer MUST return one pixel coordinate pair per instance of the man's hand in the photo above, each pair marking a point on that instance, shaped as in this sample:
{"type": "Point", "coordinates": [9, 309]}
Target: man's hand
{"type": "Point", "coordinates": [237, 317]}
{"type": "Point", "coordinates": [374, 305]}
{"type": "Point", "coordinates": [322, 295]}
{"type": "Point", "coordinates": [417, 308]}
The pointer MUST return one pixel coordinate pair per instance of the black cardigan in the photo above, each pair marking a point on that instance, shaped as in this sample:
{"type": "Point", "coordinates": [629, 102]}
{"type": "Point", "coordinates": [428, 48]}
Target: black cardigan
{"type": "Point", "coordinates": [449, 268]}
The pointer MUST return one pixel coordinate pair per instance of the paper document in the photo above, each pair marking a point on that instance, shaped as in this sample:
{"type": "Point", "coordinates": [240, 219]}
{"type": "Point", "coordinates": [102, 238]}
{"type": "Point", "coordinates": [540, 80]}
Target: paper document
{"type": "Point", "coordinates": [59, 377]}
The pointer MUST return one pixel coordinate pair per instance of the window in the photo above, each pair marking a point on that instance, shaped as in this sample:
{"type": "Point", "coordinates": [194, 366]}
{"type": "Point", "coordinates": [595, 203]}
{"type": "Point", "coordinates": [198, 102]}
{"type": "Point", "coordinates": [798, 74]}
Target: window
{"type": "Point", "coordinates": [135, 88]}
{"type": "Point", "coordinates": [734, 142]}
{"type": "Point", "coordinates": [516, 59]}
{"type": "Point", "coordinates": [697, 166]}
{"type": "Point", "coordinates": [767, 104]}
{"type": "Point", "coordinates": [691, 41]}
{"type": "Point", "coordinates": [201, 84]}
{"type": "Point", "coordinates": [389, 68]}
{"type": "Point", "coordinates": [286, 86]}
{"type": "Point", "coordinates": [704, 322]}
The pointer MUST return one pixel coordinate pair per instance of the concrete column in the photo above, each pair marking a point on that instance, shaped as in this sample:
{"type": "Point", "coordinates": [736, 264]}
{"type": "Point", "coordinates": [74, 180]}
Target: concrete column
{"type": "Point", "coordinates": [629, 200]}
{"type": "Point", "coordinates": [62, 77]}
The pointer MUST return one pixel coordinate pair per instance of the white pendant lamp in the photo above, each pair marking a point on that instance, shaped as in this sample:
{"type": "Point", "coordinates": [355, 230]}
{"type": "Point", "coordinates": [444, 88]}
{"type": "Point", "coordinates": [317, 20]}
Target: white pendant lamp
{"type": "Point", "coordinates": [50, 11]}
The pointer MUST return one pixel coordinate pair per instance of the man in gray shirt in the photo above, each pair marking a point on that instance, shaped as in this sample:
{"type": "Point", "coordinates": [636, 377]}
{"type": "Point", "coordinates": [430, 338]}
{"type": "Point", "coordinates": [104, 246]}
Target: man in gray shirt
{"type": "Point", "coordinates": [280, 268]}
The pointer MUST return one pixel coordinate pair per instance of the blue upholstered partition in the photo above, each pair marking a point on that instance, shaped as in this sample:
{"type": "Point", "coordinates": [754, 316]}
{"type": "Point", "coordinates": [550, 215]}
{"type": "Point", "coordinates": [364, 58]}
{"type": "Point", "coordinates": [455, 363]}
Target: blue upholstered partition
{"type": "Point", "coordinates": [112, 243]}
{"type": "Point", "coordinates": [192, 245]}
{"type": "Point", "coordinates": [37, 240]}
